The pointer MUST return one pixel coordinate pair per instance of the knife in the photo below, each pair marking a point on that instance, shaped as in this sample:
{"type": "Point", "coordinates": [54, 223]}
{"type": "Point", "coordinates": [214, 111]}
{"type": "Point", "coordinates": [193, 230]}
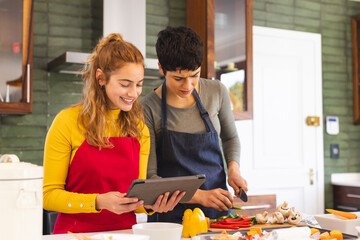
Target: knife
{"type": "Point", "coordinates": [242, 195]}
{"type": "Point", "coordinates": [251, 207]}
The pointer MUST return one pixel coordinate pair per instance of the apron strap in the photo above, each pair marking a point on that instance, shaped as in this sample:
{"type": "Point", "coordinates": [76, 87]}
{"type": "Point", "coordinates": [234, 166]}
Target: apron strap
{"type": "Point", "coordinates": [163, 107]}
{"type": "Point", "coordinates": [203, 113]}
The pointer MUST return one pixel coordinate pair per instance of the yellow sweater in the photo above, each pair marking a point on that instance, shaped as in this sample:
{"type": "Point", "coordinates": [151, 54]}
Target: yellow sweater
{"type": "Point", "coordinates": [62, 141]}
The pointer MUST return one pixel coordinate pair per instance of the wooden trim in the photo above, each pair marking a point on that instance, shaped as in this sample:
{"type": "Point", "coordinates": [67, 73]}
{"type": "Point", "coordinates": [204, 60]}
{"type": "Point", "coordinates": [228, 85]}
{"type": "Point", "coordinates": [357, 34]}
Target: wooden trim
{"type": "Point", "coordinates": [210, 42]}
{"type": "Point", "coordinates": [201, 17]}
{"type": "Point", "coordinates": [256, 200]}
{"type": "Point", "coordinates": [23, 106]}
{"type": "Point", "coordinates": [248, 113]}
{"type": "Point", "coordinates": [249, 56]}
{"type": "Point", "coordinates": [355, 52]}
{"type": "Point", "coordinates": [15, 108]}
{"type": "Point", "coordinates": [28, 55]}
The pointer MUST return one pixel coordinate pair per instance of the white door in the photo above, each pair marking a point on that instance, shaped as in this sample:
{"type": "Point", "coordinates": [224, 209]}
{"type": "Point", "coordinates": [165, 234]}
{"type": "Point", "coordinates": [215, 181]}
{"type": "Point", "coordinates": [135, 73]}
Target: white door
{"type": "Point", "coordinates": [281, 154]}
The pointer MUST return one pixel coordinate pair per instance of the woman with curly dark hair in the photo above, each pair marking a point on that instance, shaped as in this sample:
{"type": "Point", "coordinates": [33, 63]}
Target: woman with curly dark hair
{"type": "Point", "coordinates": [186, 116]}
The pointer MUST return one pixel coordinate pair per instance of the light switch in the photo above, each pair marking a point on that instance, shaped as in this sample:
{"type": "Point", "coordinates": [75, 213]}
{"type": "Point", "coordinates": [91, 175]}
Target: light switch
{"type": "Point", "coordinates": [334, 151]}
{"type": "Point", "coordinates": [332, 125]}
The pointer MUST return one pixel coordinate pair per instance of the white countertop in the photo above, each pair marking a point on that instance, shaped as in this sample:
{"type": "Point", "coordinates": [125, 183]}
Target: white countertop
{"type": "Point", "coordinates": [346, 179]}
{"type": "Point", "coordinates": [69, 237]}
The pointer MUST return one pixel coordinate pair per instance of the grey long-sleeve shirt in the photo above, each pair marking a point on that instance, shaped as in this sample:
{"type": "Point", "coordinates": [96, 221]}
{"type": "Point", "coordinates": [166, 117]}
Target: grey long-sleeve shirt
{"type": "Point", "coordinates": [215, 98]}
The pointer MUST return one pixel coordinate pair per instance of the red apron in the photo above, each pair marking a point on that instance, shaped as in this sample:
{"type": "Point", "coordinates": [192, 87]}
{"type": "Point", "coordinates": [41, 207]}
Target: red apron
{"type": "Point", "coordinates": [101, 171]}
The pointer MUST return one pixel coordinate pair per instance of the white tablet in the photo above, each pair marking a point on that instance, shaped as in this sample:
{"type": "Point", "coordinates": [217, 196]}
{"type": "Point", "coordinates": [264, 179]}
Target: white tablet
{"type": "Point", "coordinates": [150, 189]}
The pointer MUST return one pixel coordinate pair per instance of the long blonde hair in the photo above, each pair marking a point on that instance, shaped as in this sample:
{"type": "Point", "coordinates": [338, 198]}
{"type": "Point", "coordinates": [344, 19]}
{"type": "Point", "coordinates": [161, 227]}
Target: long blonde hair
{"type": "Point", "coordinates": [111, 53]}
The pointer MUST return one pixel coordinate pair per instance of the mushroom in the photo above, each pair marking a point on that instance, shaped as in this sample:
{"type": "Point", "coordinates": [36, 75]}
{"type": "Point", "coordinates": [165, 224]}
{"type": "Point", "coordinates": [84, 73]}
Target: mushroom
{"type": "Point", "coordinates": [294, 217]}
{"type": "Point", "coordinates": [262, 218]}
{"type": "Point", "coordinates": [284, 209]}
{"type": "Point", "coordinates": [277, 218]}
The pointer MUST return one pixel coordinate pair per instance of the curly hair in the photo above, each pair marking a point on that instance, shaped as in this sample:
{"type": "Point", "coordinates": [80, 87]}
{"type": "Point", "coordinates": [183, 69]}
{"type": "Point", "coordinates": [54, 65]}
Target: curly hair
{"type": "Point", "coordinates": [179, 48]}
{"type": "Point", "coordinates": [111, 53]}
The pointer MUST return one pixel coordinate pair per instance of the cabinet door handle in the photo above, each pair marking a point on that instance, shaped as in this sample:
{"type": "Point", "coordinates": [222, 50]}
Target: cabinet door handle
{"type": "Point", "coordinates": [28, 83]}
{"type": "Point", "coordinates": [353, 195]}
{"type": "Point", "coordinates": [347, 208]}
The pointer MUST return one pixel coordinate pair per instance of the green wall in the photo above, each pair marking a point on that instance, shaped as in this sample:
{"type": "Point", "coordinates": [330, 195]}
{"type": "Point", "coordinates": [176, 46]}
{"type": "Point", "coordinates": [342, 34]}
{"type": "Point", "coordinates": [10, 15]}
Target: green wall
{"type": "Point", "coordinates": [61, 25]}
{"type": "Point", "coordinates": [68, 25]}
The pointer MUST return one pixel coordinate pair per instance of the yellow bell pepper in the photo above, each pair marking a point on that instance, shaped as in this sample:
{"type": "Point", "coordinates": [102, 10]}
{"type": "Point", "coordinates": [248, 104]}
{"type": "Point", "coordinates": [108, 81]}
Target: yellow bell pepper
{"type": "Point", "coordinates": [194, 222]}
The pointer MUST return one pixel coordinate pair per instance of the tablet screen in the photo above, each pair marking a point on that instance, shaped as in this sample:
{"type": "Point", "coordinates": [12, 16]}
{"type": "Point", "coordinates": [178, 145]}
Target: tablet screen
{"type": "Point", "coordinates": [150, 189]}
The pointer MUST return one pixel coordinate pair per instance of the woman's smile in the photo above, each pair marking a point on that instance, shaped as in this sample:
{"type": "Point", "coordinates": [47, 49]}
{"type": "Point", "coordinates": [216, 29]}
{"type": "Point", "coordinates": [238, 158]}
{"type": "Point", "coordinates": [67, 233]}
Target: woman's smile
{"type": "Point", "coordinates": [128, 101]}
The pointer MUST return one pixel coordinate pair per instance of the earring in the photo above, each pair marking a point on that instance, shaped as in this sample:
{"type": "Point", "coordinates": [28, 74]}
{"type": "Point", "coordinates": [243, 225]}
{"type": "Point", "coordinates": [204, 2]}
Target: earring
{"type": "Point", "coordinates": [102, 87]}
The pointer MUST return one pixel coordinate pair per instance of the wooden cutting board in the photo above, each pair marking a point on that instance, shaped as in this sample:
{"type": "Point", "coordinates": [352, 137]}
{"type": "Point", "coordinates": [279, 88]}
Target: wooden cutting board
{"type": "Point", "coordinates": [263, 226]}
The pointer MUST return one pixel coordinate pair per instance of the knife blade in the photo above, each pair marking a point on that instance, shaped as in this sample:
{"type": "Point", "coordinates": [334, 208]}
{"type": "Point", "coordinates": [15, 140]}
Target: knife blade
{"type": "Point", "coordinates": [251, 207]}
{"type": "Point", "coordinates": [242, 195]}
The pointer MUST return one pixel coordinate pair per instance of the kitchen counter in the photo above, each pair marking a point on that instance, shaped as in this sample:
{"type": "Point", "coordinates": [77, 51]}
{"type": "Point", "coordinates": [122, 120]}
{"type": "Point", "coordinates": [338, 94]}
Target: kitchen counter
{"type": "Point", "coordinates": [346, 179]}
{"type": "Point", "coordinates": [69, 237]}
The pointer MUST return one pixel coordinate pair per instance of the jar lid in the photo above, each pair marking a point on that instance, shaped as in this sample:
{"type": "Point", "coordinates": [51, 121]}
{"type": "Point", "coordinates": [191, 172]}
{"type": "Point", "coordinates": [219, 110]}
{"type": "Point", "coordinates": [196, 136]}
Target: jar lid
{"type": "Point", "coordinates": [20, 170]}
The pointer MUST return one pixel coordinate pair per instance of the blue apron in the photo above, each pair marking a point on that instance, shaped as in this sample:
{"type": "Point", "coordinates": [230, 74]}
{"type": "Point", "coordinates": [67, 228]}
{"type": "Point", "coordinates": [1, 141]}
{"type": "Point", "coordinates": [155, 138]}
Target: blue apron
{"type": "Point", "coordinates": [184, 154]}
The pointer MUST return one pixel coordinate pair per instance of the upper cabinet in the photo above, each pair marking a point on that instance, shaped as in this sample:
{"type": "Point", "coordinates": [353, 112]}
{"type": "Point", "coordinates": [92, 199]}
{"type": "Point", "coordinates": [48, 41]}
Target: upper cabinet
{"type": "Point", "coordinates": [16, 56]}
{"type": "Point", "coordinates": [226, 30]}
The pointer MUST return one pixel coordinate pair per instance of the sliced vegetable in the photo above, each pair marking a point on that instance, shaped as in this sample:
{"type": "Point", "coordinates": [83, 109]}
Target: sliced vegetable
{"type": "Point", "coordinates": [236, 208]}
{"type": "Point", "coordinates": [258, 230]}
{"type": "Point", "coordinates": [238, 220]}
{"type": "Point", "coordinates": [253, 221]}
{"type": "Point", "coordinates": [342, 214]}
{"type": "Point", "coordinates": [224, 232]}
{"type": "Point", "coordinates": [220, 218]}
{"type": "Point", "coordinates": [324, 235]}
{"type": "Point", "coordinates": [207, 221]}
{"type": "Point", "coordinates": [229, 226]}
{"type": "Point", "coordinates": [314, 230]}
{"type": "Point", "coordinates": [336, 234]}
{"type": "Point", "coordinates": [236, 216]}
{"type": "Point", "coordinates": [222, 226]}
{"type": "Point", "coordinates": [230, 223]}
{"type": "Point", "coordinates": [252, 233]}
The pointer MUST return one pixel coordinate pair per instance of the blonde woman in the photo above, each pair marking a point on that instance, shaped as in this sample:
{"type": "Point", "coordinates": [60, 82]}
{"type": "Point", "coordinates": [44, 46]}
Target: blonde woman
{"type": "Point", "coordinates": [96, 148]}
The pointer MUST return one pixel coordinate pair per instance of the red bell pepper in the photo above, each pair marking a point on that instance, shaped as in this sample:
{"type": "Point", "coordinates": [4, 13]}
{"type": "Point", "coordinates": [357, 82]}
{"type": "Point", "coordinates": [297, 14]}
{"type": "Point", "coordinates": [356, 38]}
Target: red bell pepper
{"type": "Point", "coordinates": [236, 220]}
{"type": "Point", "coordinates": [217, 225]}
{"type": "Point", "coordinates": [229, 226]}
{"type": "Point", "coordinates": [232, 223]}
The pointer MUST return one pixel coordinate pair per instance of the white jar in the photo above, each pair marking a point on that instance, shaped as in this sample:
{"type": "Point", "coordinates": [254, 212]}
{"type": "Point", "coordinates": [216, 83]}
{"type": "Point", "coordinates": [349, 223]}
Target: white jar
{"type": "Point", "coordinates": [21, 201]}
